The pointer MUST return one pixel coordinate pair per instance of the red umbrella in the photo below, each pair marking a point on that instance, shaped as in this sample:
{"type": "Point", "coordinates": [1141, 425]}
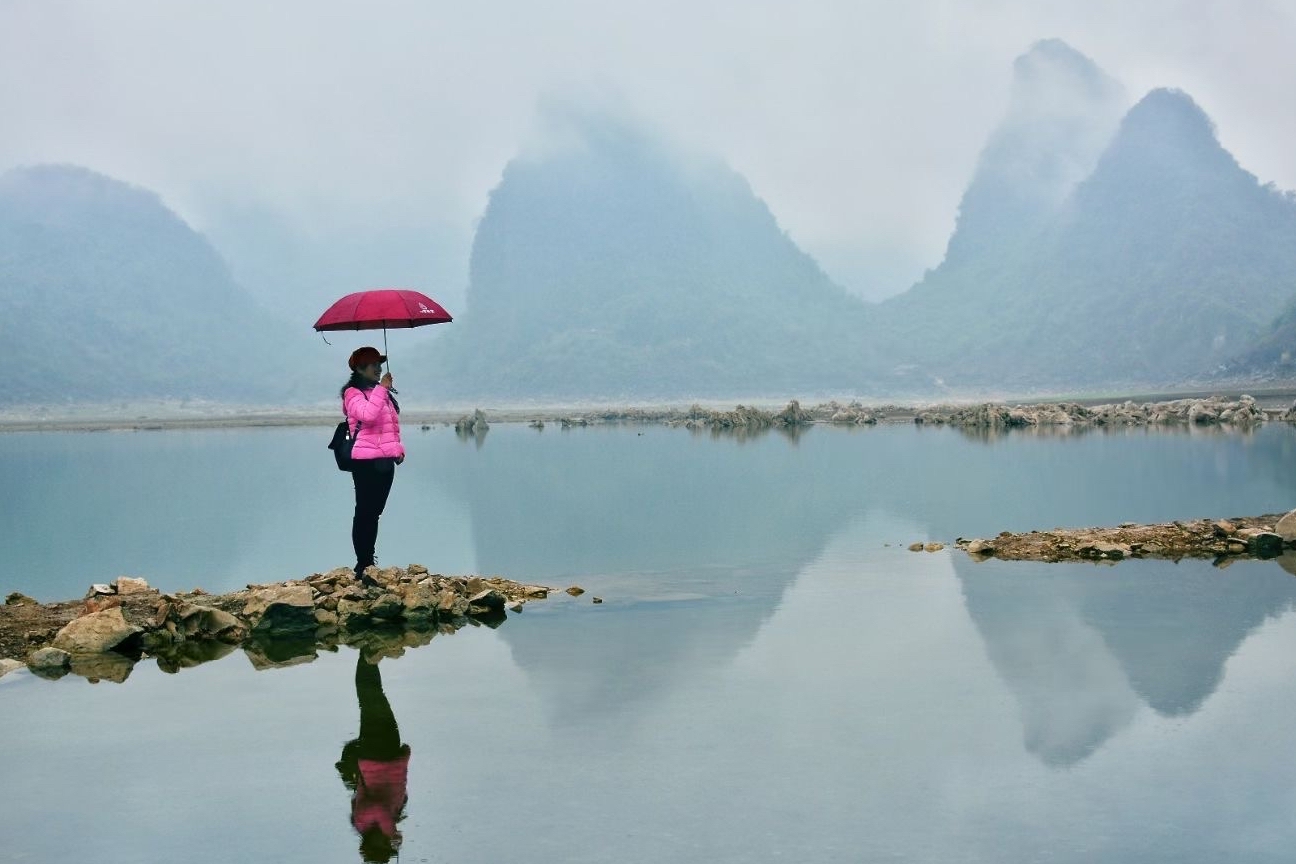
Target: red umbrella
{"type": "Point", "coordinates": [382, 307]}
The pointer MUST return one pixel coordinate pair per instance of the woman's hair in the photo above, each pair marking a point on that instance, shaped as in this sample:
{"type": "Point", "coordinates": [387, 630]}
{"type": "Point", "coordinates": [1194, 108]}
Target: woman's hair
{"type": "Point", "coordinates": [360, 382]}
{"type": "Point", "coordinates": [357, 381]}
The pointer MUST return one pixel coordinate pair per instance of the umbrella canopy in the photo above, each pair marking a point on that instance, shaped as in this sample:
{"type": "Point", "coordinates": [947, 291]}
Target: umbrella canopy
{"type": "Point", "coordinates": [382, 308]}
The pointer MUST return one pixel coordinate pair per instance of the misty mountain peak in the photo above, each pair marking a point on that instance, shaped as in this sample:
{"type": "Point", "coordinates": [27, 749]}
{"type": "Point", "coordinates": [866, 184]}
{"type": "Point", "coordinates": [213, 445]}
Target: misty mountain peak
{"type": "Point", "coordinates": [1062, 112]}
{"type": "Point", "coordinates": [1167, 140]}
{"type": "Point", "coordinates": [1169, 117]}
{"type": "Point", "coordinates": [65, 193]}
{"type": "Point", "coordinates": [1051, 64]}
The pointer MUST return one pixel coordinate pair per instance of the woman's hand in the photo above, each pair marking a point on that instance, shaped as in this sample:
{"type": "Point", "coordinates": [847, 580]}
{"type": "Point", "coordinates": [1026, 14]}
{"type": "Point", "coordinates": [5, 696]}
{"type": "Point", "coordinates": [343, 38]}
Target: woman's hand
{"type": "Point", "coordinates": [386, 380]}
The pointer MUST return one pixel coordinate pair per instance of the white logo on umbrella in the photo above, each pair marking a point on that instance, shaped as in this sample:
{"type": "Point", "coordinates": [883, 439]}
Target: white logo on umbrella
{"type": "Point", "coordinates": [425, 310]}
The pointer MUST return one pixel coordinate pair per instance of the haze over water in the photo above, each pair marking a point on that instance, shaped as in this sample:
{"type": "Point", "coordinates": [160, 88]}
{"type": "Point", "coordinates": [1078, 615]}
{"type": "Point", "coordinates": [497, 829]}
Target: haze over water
{"type": "Point", "coordinates": [766, 678]}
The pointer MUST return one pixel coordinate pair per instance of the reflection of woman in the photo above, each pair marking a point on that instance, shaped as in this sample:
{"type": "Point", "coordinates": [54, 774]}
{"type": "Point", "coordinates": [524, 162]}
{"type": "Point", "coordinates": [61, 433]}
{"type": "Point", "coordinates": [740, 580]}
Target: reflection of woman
{"type": "Point", "coordinates": [375, 768]}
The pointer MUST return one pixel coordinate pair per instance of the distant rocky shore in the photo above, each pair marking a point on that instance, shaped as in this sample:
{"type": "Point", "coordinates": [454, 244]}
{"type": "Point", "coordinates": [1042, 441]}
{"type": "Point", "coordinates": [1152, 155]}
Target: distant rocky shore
{"type": "Point", "coordinates": [1243, 412]}
{"type": "Point", "coordinates": [1224, 540]}
{"type": "Point", "coordinates": [102, 636]}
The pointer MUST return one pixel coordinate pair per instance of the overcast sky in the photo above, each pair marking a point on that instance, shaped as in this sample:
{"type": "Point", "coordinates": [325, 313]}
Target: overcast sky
{"type": "Point", "coordinates": [858, 122]}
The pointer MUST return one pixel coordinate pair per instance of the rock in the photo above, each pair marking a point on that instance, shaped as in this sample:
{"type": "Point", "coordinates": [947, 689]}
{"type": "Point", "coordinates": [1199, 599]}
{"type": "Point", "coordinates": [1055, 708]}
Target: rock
{"type": "Point", "coordinates": [980, 547]}
{"type": "Point", "coordinates": [96, 632]}
{"type": "Point", "coordinates": [417, 569]}
{"type": "Point", "coordinates": [46, 659]}
{"type": "Point", "coordinates": [452, 603]}
{"type": "Point", "coordinates": [387, 606]}
{"type": "Point", "coordinates": [326, 618]}
{"type": "Point", "coordinates": [8, 664]}
{"type": "Point", "coordinates": [915, 547]}
{"type": "Point", "coordinates": [419, 599]}
{"type": "Point", "coordinates": [1265, 544]}
{"type": "Point", "coordinates": [351, 609]}
{"type": "Point", "coordinates": [476, 585]}
{"type": "Point", "coordinates": [474, 425]}
{"type": "Point", "coordinates": [1113, 551]}
{"type": "Point", "coordinates": [934, 547]}
{"type": "Point", "coordinates": [1286, 527]}
{"type": "Point", "coordinates": [1223, 528]}
{"type": "Point", "coordinates": [488, 599]}
{"type": "Point", "coordinates": [130, 585]}
{"type": "Point", "coordinates": [101, 588]}
{"type": "Point", "coordinates": [198, 620]}
{"type": "Point", "coordinates": [19, 599]}
{"type": "Point", "coordinates": [515, 606]}
{"type": "Point", "coordinates": [598, 599]}
{"type": "Point", "coordinates": [793, 415]}
{"type": "Point", "coordinates": [282, 609]}
{"type": "Point", "coordinates": [575, 590]}
{"type": "Point", "coordinates": [535, 592]}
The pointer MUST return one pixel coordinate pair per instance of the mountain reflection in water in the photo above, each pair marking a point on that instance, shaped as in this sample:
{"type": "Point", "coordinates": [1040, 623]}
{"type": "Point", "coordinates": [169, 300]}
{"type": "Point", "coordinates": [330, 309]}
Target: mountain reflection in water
{"type": "Point", "coordinates": [1081, 647]}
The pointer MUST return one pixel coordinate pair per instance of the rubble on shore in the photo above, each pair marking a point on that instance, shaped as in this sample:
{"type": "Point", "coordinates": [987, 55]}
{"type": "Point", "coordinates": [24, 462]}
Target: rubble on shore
{"type": "Point", "coordinates": [102, 636]}
{"type": "Point", "coordinates": [1214, 411]}
{"type": "Point", "coordinates": [1223, 540]}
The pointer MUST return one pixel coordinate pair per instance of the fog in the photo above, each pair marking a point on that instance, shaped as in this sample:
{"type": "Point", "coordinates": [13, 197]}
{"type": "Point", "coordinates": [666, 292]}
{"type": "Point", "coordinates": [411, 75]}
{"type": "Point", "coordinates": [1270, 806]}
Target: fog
{"type": "Point", "coordinates": [859, 123]}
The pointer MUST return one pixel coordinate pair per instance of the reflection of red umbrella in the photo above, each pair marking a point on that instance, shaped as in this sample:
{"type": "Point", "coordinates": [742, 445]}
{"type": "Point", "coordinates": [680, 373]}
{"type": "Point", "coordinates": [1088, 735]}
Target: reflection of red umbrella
{"type": "Point", "coordinates": [382, 307]}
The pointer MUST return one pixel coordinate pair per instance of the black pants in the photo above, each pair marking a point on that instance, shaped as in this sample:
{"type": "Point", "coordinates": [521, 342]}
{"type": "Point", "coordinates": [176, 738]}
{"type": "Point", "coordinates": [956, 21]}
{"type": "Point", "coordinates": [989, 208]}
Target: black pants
{"type": "Point", "coordinates": [373, 481]}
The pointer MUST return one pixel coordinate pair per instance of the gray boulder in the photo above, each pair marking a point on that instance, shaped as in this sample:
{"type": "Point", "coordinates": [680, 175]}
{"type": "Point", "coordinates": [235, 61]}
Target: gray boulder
{"type": "Point", "coordinates": [48, 659]}
{"type": "Point", "coordinates": [1286, 527]}
{"type": "Point", "coordinates": [95, 633]}
{"type": "Point", "coordinates": [282, 609]}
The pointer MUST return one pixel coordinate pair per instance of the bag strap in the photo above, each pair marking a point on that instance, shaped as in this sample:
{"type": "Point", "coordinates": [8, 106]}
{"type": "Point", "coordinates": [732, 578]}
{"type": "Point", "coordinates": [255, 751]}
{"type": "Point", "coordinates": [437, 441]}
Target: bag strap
{"type": "Point", "coordinates": [347, 417]}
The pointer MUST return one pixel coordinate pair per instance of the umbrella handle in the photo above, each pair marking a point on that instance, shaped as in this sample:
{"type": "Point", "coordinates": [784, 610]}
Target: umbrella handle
{"type": "Point", "coordinates": [393, 389]}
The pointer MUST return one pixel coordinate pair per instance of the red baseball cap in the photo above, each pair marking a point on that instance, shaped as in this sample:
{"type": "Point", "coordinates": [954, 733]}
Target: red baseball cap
{"type": "Point", "coordinates": [364, 356]}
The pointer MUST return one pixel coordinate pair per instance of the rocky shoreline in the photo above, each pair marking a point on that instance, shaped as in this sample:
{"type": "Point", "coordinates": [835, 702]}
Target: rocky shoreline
{"type": "Point", "coordinates": [103, 636]}
{"type": "Point", "coordinates": [1243, 412]}
{"type": "Point", "coordinates": [1223, 540]}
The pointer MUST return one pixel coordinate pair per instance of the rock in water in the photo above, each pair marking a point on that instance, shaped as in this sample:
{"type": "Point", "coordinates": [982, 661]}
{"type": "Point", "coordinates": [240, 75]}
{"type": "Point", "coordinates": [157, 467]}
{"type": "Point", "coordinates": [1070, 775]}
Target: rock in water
{"type": "Point", "coordinates": [282, 609]}
{"type": "Point", "coordinates": [47, 659]}
{"type": "Point", "coordinates": [488, 599]}
{"type": "Point", "coordinates": [1286, 527]}
{"type": "Point", "coordinates": [8, 664]}
{"type": "Point", "coordinates": [96, 632]}
{"type": "Point", "coordinates": [387, 606]}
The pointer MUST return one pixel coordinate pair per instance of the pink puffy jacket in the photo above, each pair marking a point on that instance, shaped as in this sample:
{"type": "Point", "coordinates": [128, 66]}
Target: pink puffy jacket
{"type": "Point", "coordinates": [379, 423]}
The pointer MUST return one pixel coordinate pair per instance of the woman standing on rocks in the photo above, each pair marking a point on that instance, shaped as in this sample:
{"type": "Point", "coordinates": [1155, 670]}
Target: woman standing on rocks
{"type": "Point", "coordinates": [373, 417]}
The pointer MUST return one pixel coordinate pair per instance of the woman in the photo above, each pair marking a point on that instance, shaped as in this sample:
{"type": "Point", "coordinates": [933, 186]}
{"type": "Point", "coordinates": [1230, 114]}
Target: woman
{"type": "Point", "coordinates": [373, 416]}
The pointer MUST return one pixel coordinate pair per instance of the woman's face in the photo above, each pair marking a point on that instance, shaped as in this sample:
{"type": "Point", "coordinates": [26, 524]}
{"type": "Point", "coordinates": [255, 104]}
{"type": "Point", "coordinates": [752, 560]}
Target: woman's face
{"type": "Point", "coordinates": [371, 372]}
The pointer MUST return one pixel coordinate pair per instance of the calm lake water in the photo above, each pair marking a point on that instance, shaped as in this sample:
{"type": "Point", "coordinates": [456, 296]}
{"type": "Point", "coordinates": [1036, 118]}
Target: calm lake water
{"type": "Point", "coordinates": [767, 679]}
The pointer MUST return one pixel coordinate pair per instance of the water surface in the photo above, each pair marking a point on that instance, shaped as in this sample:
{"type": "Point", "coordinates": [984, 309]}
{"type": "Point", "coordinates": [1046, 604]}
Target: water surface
{"type": "Point", "coordinates": [767, 679]}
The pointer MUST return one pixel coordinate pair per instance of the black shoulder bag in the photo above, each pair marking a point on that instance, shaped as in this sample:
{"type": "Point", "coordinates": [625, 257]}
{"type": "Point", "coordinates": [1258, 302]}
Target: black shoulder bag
{"type": "Point", "coordinates": [342, 443]}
